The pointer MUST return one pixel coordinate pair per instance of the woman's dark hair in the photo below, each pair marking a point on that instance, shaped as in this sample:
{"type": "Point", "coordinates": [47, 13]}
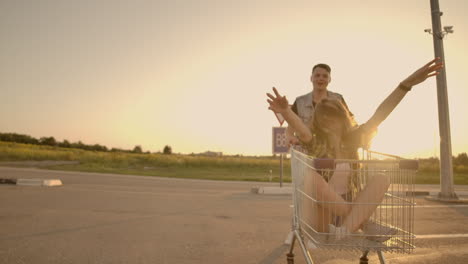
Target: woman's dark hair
{"type": "Point", "coordinates": [331, 107]}
{"type": "Point", "coordinates": [335, 108]}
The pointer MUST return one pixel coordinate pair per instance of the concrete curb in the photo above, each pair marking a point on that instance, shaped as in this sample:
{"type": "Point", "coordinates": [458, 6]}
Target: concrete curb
{"type": "Point", "coordinates": [32, 182]}
{"type": "Point", "coordinates": [462, 193]}
{"type": "Point", "coordinates": [272, 190]}
{"type": "Point", "coordinates": [7, 181]}
{"type": "Point", "coordinates": [460, 200]}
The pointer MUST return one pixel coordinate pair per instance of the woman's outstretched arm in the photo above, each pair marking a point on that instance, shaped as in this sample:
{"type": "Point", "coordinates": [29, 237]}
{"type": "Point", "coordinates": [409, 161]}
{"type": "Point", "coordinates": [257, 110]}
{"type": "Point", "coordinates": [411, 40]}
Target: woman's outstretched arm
{"type": "Point", "coordinates": [279, 104]}
{"type": "Point", "coordinates": [387, 106]}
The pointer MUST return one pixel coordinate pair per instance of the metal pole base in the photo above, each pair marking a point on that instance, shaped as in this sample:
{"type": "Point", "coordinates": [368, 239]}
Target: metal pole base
{"type": "Point", "coordinates": [450, 196]}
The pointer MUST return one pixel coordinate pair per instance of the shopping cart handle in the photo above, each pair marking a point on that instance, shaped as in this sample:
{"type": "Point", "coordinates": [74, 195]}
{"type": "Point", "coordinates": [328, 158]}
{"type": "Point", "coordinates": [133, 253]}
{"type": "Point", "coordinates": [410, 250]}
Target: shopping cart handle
{"type": "Point", "coordinates": [321, 164]}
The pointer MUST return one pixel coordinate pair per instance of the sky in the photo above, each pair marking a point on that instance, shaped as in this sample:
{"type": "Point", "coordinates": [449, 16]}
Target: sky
{"type": "Point", "coordinates": [193, 74]}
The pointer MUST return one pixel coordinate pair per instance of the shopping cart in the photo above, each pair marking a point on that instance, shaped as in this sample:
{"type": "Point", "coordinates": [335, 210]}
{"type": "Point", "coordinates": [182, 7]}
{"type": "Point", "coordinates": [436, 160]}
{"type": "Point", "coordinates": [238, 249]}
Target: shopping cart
{"type": "Point", "coordinates": [388, 229]}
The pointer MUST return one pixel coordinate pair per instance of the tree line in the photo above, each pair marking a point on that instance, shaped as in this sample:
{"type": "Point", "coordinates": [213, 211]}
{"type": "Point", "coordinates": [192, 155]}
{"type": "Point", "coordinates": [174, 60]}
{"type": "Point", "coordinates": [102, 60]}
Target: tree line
{"type": "Point", "coordinates": [51, 141]}
{"type": "Point", "coordinates": [459, 160]}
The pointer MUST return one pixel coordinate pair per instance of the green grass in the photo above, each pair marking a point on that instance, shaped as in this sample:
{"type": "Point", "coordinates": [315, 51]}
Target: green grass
{"type": "Point", "coordinates": [433, 177]}
{"type": "Point", "coordinates": [206, 173]}
{"type": "Point", "coordinates": [178, 166]}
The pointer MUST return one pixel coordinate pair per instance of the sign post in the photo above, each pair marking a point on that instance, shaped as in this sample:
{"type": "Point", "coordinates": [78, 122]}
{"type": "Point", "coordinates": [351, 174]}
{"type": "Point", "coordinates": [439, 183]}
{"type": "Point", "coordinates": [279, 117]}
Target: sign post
{"type": "Point", "coordinates": [280, 146]}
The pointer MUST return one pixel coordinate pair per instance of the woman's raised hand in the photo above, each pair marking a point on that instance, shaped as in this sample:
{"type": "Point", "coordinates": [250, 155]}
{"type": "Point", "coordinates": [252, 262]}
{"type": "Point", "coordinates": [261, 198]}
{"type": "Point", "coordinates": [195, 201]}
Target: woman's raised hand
{"type": "Point", "coordinates": [430, 69]}
{"type": "Point", "coordinates": [277, 103]}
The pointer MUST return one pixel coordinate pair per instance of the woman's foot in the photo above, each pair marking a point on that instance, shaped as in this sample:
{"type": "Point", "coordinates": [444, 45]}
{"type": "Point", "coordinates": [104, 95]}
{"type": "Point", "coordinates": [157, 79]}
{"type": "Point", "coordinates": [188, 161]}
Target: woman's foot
{"type": "Point", "coordinates": [339, 232]}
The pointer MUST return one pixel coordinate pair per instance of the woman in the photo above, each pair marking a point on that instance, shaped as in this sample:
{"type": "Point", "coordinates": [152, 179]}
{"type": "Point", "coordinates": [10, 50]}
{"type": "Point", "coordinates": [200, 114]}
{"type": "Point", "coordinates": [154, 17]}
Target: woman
{"type": "Point", "coordinates": [333, 134]}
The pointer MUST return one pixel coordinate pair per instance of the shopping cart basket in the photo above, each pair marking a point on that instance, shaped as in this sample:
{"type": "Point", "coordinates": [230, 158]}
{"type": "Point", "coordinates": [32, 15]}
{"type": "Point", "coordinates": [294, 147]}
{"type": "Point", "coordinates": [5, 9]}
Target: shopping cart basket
{"type": "Point", "coordinates": [390, 225]}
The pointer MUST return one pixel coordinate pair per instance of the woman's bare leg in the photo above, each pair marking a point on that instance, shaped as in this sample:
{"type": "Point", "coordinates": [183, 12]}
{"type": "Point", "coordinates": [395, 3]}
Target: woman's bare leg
{"type": "Point", "coordinates": [316, 216]}
{"type": "Point", "coordinates": [325, 197]}
{"type": "Point", "coordinates": [373, 194]}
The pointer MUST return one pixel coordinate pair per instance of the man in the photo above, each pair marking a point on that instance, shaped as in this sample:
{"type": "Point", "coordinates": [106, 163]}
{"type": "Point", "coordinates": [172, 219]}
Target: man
{"type": "Point", "coordinates": [304, 105]}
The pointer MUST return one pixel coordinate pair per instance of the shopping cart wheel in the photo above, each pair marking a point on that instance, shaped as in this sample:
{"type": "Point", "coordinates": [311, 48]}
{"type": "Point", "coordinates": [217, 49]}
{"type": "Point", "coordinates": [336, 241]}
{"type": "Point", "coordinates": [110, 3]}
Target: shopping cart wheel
{"type": "Point", "coordinates": [364, 259]}
{"type": "Point", "coordinates": [290, 258]}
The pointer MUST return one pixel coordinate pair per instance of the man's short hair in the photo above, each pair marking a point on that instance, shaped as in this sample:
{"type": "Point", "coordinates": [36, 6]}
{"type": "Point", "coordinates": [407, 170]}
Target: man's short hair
{"type": "Point", "coordinates": [323, 66]}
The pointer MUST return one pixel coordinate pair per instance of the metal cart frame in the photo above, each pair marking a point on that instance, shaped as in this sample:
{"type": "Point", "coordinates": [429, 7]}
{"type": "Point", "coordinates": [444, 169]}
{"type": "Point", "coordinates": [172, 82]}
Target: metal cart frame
{"type": "Point", "coordinates": [394, 213]}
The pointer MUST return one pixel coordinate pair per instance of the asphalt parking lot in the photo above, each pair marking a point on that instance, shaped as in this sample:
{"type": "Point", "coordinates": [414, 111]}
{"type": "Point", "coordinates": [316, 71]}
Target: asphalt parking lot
{"type": "Point", "coordinates": [103, 218]}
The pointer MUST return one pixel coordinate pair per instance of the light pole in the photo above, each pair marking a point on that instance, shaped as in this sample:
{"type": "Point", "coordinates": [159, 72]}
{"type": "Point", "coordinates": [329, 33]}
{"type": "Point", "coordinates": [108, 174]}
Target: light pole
{"type": "Point", "coordinates": [447, 191]}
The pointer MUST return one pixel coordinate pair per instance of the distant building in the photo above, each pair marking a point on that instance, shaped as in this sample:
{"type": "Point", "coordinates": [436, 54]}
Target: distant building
{"type": "Point", "coordinates": [211, 154]}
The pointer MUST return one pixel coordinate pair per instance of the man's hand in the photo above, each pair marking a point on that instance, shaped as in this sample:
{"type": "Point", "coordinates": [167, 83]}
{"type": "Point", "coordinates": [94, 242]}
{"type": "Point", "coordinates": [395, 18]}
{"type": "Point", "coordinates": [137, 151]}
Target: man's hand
{"type": "Point", "coordinates": [430, 69]}
{"type": "Point", "coordinates": [278, 104]}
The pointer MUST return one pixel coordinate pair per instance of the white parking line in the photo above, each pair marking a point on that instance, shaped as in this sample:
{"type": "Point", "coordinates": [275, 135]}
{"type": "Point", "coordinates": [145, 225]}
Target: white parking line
{"type": "Point", "coordinates": [442, 236]}
{"type": "Point", "coordinates": [429, 206]}
{"type": "Point", "coordinates": [442, 206]}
